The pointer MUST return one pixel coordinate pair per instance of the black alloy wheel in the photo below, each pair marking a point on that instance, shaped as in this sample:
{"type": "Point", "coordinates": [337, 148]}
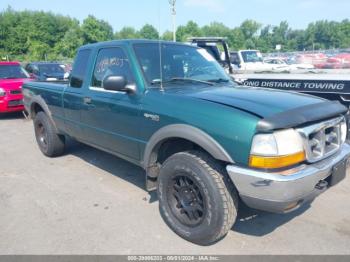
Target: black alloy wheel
{"type": "Point", "coordinates": [197, 199]}
{"type": "Point", "coordinates": [186, 200]}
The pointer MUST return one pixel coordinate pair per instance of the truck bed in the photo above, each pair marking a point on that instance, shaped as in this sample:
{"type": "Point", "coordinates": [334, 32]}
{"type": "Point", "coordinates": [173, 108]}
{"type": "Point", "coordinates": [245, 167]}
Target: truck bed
{"type": "Point", "coordinates": [51, 92]}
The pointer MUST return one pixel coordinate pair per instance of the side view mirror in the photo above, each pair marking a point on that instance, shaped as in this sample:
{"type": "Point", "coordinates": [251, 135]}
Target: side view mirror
{"type": "Point", "coordinates": [117, 83]}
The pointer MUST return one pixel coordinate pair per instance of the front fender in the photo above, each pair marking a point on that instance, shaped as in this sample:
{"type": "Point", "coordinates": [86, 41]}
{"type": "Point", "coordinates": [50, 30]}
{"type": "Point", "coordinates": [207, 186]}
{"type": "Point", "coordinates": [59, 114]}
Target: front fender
{"type": "Point", "coordinates": [189, 133]}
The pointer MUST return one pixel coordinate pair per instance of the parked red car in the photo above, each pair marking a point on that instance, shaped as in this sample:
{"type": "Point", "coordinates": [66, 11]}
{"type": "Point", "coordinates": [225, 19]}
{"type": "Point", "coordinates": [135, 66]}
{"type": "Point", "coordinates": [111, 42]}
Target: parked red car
{"type": "Point", "coordinates": [311, 59]}
{"type": "Point", "coordinates": [340, 61]}
{"type": "Point", "coordinates": [12, 77]}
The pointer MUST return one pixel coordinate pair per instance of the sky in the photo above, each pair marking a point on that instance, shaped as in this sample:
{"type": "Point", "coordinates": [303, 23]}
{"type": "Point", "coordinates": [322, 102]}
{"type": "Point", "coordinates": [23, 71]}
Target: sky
{"type": "Point", "coordinates": [136, 13]}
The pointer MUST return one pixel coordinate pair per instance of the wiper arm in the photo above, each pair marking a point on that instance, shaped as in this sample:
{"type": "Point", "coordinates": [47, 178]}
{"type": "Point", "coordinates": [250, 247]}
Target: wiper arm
{"type": "Point", "coordinates": [179, 79]}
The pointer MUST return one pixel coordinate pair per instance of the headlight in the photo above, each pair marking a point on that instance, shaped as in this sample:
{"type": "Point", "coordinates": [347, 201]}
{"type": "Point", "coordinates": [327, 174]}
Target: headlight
{"type": "Point", "coordinates": [277, 150]}
{"type": "Point", "coordinates": [344, 131]}
{"type": "Point", "coordinates": [2, 92]}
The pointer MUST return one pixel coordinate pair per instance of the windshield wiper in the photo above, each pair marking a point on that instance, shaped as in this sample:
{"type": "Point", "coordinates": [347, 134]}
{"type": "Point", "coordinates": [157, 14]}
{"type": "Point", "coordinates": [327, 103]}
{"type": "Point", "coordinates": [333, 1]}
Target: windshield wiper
{"type": "Point", "coordinates": [179, 79]}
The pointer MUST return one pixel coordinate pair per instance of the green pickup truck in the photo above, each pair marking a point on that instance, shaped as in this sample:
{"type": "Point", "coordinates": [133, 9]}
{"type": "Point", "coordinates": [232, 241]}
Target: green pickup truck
{"type": "Point", "coordinates": [205, 143]}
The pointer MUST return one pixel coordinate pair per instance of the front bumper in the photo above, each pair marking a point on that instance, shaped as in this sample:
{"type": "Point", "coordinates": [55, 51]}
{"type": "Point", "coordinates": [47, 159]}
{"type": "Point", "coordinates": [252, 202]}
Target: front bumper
{"type": "Point", "coordinates": [279, 193]}
{"type": "Point", "coordinates": [11, 104]}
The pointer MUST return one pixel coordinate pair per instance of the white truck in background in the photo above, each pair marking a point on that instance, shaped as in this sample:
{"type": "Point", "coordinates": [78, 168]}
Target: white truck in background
{"type": "Point", "coordinates": [252, 60]}
{"type": "Point", "coordinates": [245, 60]}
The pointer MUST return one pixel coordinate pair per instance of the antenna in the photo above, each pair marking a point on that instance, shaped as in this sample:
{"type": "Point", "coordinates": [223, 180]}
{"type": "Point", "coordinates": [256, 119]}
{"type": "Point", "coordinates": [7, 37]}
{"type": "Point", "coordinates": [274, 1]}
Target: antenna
{"type": "Point", "coordinates": [160, 48]}
{"type": "Point", "coordinates": [173, 12]}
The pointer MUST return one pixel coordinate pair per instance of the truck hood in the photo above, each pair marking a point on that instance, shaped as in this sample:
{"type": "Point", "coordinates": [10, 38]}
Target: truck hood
{"type": "Point", "coordinates": [259, 101]}
{"type": "Point", "coordinates": [12, 84]}
{"type": "Point", "coordinates": [277, 109]}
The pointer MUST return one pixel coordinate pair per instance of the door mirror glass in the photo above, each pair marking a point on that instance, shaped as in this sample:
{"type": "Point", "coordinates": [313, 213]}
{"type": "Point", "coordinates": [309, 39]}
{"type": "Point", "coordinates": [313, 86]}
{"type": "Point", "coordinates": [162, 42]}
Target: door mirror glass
{"type": "Point", "coordinates": [115, 83]}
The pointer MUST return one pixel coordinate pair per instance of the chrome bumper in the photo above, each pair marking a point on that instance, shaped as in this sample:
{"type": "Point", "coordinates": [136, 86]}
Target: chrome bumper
{"type": "Point", "coordinates": [279, 193]}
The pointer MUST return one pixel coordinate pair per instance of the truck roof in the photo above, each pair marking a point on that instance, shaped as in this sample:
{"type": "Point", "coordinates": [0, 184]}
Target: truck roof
{"type": "Point", "coordinates": [130, 41]}
{"type": "Point", "coordinates": [45, 63]}
{"type": "Point", "coordinates": [207, 39]}
{"type": "Point", "coordinates": [9, 63]}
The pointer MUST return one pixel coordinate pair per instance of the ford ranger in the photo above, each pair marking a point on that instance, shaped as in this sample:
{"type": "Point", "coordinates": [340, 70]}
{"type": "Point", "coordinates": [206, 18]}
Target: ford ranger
{"type": "Point", "coordinates": [205, 143]}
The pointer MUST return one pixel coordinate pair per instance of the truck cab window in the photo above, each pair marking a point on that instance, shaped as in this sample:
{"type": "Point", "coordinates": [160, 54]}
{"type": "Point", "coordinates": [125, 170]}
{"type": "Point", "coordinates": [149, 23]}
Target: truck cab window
{"type": "Point", "coordinates": [234, 58]}
{"type": "Point", "coordinates": [111, 61]}
{"type": "Point", "coordinates": [80, 68]}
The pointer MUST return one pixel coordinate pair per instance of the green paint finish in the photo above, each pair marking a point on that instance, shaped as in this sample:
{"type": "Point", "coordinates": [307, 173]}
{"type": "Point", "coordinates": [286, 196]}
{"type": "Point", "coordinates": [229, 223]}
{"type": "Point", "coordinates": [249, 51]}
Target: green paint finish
{"type": "Point", "coordinates": [123, 123]}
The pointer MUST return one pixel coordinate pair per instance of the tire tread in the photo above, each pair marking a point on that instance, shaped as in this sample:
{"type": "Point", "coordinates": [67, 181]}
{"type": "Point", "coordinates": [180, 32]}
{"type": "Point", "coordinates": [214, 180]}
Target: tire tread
{"type": "Point", "coordinates": [226, 190]}
{"type": "Point", "coordinates": [56, 143]}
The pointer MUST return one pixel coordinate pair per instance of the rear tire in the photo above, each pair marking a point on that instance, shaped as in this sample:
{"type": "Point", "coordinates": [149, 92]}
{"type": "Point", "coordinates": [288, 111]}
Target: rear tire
{"type": "Point", "coordinates": [50, 143]}
{"type": "Point", "coordinates": [196, 198]}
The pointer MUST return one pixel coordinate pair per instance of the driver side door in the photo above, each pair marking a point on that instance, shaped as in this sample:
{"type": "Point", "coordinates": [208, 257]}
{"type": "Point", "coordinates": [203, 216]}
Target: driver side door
{"type": "Point", "coordinates": [110, 118]}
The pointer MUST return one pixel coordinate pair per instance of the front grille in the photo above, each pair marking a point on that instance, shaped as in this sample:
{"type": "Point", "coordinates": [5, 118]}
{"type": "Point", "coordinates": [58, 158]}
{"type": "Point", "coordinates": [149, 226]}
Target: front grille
{"type": "Point", "coordinates": [323, 139]}
{"type": "Point", "coordinates": [16, 92]}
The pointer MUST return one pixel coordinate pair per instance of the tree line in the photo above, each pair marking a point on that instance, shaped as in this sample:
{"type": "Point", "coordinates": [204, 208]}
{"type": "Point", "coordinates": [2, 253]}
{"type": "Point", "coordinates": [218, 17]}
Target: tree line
{"type": "Point", "coordinates": [38, 35]}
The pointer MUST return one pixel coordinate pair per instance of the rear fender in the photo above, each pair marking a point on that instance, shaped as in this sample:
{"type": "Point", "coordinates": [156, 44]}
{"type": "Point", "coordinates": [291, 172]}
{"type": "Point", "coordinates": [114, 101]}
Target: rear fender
{"type": "Point", "coordinates": [38, 100]}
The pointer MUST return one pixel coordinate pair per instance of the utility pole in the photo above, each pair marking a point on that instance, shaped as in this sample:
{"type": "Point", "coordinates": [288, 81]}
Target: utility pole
{"type": "Point", "coordinates": [173, 12]}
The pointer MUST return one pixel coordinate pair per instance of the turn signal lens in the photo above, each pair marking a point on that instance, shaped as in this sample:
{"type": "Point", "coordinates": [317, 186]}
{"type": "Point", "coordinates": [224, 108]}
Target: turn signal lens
{"type": "Point", "coordinates": [276, 161]}
{"type": "Point", "coordinates": [344, 131]}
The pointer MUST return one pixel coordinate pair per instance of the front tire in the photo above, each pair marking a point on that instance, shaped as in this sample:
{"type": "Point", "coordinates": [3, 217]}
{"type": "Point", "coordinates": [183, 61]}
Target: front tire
{"type": "Point", "coordinates": [50, 143]}
{"type": "Point", "coordinates": [196, 198]}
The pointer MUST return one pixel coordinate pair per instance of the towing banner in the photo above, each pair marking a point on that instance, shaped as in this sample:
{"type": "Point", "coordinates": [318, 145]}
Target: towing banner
{"type": "Point", "coordinates": [307, 84]}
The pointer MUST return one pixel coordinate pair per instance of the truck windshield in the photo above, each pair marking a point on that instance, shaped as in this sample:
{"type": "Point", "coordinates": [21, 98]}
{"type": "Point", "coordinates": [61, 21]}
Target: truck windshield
{"type": "Point", "coordinates": [49, 69]}
{"type": "Point", "coordinates": [251, 56]}
{"type": "Point", "coordinates": [178, 62]}
{"type": "Point", "coordinates": [12, 72]}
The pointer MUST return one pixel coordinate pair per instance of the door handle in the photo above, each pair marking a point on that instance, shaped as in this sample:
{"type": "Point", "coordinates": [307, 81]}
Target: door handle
{"type": "Point", "coordinates": [87, 100]}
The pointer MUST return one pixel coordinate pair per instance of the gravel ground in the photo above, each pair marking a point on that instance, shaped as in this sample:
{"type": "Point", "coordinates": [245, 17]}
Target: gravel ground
{"type": "Point", "coordinates": [89, 202]}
